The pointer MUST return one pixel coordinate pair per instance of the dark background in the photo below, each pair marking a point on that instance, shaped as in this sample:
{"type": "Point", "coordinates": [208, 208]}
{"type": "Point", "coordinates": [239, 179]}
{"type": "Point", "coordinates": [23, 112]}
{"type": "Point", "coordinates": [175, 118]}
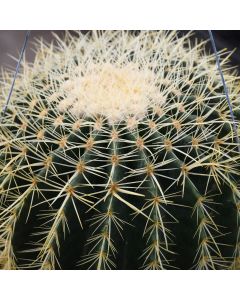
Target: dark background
{"type": "Point", "coordinates": [229, 39]}
{"type": "Point", "coordinates": [11, 43]}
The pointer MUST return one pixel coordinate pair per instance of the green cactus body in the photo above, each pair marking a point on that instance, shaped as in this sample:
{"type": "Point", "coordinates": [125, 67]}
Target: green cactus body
{"type": "Point", "coordinates": [118, 152]}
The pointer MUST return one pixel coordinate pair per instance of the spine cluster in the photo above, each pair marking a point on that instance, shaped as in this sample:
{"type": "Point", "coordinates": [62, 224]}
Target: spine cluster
{"type": "Point", "coordinates": [118, 151]}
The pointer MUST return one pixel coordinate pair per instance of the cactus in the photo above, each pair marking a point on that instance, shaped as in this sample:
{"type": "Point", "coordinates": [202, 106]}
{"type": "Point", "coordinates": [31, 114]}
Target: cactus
{"type": "Point", "coordinates": [118, 152]}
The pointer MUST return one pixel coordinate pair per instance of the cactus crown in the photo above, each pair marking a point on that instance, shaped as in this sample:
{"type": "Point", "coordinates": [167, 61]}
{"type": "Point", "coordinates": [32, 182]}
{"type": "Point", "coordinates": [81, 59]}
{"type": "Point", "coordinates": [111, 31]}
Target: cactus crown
{"type": "Point", "coordinates": [118, 151]}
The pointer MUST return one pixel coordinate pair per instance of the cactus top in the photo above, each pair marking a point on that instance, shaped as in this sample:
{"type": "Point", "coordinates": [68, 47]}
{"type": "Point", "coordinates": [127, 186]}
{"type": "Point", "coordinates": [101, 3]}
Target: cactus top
{"type": "Point", "coordinates": [112, 90]}
{"type": "Point", "coordinates": [116, 74]}
{"type": "Point", "coordinates": [114, 77]}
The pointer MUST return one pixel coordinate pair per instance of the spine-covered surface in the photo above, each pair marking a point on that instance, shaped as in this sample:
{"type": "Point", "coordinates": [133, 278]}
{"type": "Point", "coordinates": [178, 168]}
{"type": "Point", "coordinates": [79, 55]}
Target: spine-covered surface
{"type": "Point", "coordinates": [117, 151]}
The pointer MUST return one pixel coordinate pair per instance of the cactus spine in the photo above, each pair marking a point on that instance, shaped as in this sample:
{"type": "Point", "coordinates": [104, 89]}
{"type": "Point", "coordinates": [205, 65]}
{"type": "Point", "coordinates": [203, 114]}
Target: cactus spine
{"type": "Point", "coordinates": [118, 151]}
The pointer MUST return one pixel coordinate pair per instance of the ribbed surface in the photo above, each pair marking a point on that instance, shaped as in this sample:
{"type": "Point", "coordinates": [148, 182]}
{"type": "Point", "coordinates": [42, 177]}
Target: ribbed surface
{"type": "Point", "coordinates": [158, 192]}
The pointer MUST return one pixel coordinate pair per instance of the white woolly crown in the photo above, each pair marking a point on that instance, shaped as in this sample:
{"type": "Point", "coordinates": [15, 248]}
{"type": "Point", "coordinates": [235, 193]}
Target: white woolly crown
{"type": "Point", "coordinates": [112, 90]}
{"type": "Point", "coordinates": [110, 80]}
{"type": "Point", "coordinates": [116, 74]}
